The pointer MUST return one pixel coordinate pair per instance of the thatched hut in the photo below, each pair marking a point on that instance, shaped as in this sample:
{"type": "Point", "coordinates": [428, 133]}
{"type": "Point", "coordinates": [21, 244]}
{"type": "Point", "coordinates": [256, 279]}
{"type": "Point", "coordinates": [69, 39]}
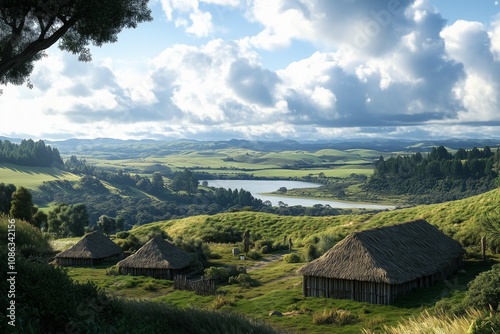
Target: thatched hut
{"type": "Point", "coordinates": [92, 249]}
{"type": "Point", "coordinates": [157, 258]}
{"type": "Point", "coordinates": [377, 265]}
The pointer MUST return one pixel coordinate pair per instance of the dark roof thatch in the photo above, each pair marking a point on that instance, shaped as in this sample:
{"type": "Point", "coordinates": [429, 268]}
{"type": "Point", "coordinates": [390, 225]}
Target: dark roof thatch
{"type": "Point", "coordinates": [392, 254]}
{"type": "Point", "coordinates": [94, 245]}
{"type": "Point", "coordinates": [158, 254]}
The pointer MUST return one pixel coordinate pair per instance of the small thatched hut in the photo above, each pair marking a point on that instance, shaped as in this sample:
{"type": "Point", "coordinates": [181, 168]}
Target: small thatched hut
{"type": "Point", "coordinates": [377, 265]}
{"type": "Point", "coordinates": [92, 249]}
{"type": "Point", "coordinates": [157, 258]}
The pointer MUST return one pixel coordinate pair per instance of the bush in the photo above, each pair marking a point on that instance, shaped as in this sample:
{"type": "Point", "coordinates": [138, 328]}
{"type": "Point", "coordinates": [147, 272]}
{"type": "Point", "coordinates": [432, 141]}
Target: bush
{"type": "Point", "coordinates": [310, 252]}
{"type": "Point", "coordinates": [221, 274]}
{"type": "Point", "coordinates": [292, 258]}
{"type": "Point", "coordinates": [485, 325]}
{"type": "Point", "coordinates": [122, 235]}
{"type": "Point", "coordinates": [484, 290]}
{"type": "Point", "coordinates": [112, 271]}
{"type": "Point", "coordinates": [335, 317]}
{"type": "Point", "coordinates": [242, 279]}
{"type": "Point", "coordinates": [254, 255]}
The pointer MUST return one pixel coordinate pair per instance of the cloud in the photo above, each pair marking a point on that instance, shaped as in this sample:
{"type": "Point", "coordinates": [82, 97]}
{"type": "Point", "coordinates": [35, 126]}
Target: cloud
{"type": "Point", "coordinates": [190, 15]}
{"type": "Point", "coordinates": [479, 91]}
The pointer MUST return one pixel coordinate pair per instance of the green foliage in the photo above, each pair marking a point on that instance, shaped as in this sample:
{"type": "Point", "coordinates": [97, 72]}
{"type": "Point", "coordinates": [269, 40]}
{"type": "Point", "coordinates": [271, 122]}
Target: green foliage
{"type": "Point", "coordinates": [6, 191]}
{"type": "Point", "coordinates": [221, 274]}
{"type": "Point", "coordinates": [244, 280]}
{"type": "Point", "coordinates": [439, 175]}
{"type": "Point", "coordinates": [310, 252]}
{"type": "Point", "coordinates": [29, 240]}
{"type": "Point", "coordinates": [22, 205]}
{"type": "Point", "coordinates": [292, 258]}
{"type": "Point", "coordinates": [185, 181]}
{"type": "Point", "coordinates": [487, 324]}
{"type": "Point", "coordinates": [68, 220]}
{"type": "Point", "coordinates": [254, 255]}
{"type": "Point", "coordinates": [199, 251]}
{"type": "Point", "coordinates": [484, 290]}
{"type": "Point", "coordinates": [28, 27]}
{"type": "Point", "coordinates": [28, 152]}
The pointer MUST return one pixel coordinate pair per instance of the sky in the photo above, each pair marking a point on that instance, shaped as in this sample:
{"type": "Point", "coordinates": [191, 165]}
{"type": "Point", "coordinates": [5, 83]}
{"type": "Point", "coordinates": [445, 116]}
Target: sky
{"type": "Point", "coordinates": [274, 70]}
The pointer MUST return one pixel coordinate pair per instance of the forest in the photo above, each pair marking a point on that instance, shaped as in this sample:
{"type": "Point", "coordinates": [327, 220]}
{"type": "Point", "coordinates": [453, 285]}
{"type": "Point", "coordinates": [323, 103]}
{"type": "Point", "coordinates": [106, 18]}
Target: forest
{"type": "Point", "coordinates": [438, 176]}
{"type": "Point", "coordinates": [29, 153]}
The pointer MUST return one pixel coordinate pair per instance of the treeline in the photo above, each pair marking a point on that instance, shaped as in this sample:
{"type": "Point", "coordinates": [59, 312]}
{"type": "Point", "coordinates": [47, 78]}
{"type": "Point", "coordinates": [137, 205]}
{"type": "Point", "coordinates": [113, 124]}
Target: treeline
{"type": "Point", "coordinates": [440, 174]}
{"type": "Point", "coordinates": [29, 153]}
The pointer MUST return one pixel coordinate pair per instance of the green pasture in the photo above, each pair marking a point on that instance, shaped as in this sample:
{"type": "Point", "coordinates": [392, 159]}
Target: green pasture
{"type": "Point", "coordinates": [262, 164]}
{"type": "Point", "coordinates": [32, 177]}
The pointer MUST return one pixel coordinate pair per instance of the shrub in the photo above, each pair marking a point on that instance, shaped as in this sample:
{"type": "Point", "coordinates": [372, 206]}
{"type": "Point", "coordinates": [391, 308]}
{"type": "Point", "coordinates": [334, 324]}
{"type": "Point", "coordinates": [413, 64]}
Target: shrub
{"type": "Point", "coordinates": [221, 274]}
{"type": "Point", "coordinates": [221, 301]}
{"type": "Point", "coordinates": [485, 325]}
{"type": "Point", "coordinates": [292, 258]}
{"type": "Point", "coordinates": [254, 255]}
{"type": "Point", "coordinates": [264, 244]}
{"type": "Point", "coordinates": [242, 279]}
{"type": "Point", "coordinates": [112, 271]}
{"type": "Point", "coordinates": [122, 235]}
{"type": "Point", "coordinates": [310, 252]}
{"type": "Point", "coordinates": [335, 317]}
{"type": "Point", "coordinates": [484, 290]}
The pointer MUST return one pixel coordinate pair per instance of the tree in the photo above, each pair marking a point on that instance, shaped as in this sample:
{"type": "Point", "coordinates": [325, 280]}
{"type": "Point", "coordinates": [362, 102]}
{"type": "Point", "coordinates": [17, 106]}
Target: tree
{"type": "Point", "coordinates": [106, 224]}
{"type": "Point", "coordinates": [185, 181]}
{"type": "Point", "coordinates": [22, 205]}
{"type": "Point", "coordinates": [6, 191]}
{"type": "Point", "coordinates": [28, 27]}
{"type": "Point", "coordinates": [68, 220]}
{"type": "Point", "coordinates": [484, 290]}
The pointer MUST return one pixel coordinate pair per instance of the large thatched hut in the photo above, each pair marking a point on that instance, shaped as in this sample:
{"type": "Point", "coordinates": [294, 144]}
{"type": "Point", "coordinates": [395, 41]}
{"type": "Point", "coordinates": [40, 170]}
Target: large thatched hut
{"type": "Point", "coordinates": [157, 258]}
{"type": "Point", "coordinates": [377, 265]}
{"type": "Point", "coordinates": [92, 249]}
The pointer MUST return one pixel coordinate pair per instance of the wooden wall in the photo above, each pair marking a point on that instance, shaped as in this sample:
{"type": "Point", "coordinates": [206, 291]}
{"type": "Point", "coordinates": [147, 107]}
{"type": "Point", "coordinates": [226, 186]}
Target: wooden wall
{"type": "Point", "coordinates": [151, 272]}
{"type": "Point", "coordinates": [371, 292]}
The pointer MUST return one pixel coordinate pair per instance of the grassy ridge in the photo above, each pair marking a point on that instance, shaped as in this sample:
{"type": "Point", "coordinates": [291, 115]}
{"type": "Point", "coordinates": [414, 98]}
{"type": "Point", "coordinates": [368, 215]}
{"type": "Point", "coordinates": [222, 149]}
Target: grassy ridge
{"type": "Point", "coordinates": [459, 219]}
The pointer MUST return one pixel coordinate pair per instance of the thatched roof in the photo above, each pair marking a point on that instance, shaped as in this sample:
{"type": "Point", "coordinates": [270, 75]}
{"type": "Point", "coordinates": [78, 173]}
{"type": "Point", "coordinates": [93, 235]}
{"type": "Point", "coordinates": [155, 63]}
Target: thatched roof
{"type": "Point", "coordinates": [392, 254]}
{"type": "Point", "coordinates": [158, 254]}
{"type": "Point", "coordinates": [94, 245]}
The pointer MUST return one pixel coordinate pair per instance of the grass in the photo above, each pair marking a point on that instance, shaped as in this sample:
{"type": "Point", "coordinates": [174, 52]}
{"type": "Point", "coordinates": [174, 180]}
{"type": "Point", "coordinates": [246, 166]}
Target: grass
{"type": "Point", "coordinates": [32, 177]}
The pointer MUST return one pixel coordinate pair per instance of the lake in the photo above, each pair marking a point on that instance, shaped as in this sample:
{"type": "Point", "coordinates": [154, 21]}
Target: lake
{"type": "Point", "coordinates": [259, 188]}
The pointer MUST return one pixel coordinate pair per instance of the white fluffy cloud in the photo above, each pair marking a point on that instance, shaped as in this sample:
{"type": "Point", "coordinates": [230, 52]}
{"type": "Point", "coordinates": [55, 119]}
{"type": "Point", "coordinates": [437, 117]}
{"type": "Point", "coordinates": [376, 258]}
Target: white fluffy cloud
{"type": "Point", "coordinates": [381, 66]}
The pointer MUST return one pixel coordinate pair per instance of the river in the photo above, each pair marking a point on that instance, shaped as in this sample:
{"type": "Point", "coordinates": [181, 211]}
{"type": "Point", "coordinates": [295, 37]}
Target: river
{"type": "Point", "coordinates": [261, 188]}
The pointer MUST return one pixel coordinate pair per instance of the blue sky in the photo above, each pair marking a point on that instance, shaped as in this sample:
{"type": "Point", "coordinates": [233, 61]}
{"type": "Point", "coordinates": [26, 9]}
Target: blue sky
{"type": "Point", "coordinates": [271, 70]}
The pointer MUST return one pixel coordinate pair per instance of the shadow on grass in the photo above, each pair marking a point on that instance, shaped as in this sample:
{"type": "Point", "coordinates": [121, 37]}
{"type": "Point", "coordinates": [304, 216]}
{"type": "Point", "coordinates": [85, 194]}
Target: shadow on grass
{"type": "Point", "coordinates": [428, 297]}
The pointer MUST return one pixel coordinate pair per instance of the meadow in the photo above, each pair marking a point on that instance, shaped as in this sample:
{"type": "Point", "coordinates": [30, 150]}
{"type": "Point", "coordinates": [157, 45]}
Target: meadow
{"type": "Point", "coordinates": [32, 177]}
{"type": "Point", "coordinates": [275, 285]}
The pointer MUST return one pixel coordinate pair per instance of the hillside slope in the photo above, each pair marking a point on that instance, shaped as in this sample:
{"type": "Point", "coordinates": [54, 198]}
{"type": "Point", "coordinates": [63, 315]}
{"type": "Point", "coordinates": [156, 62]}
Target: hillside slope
{"type": "Point", "coordinates": [459, 219]}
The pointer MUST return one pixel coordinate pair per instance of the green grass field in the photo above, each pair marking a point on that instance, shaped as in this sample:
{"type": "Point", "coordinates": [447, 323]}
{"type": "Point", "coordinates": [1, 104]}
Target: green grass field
{"type": "Point", "coordinates": [275, 284]}
{"type": "Point", "coordinates": [32, 177]}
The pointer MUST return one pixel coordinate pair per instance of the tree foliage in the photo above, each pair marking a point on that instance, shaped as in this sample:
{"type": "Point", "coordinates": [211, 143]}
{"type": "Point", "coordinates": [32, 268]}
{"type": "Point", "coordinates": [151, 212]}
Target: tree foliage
{"type": "Point", "coordinates": [484, 290]}
{"type": "Point", "coordinates": [28, 27]}
{"type": "Point", "coordinates": [68, 220]}
{"type": "Point", "coordinates": [439, 175]}
{"type": "Point", "coordinates": [22, 205]}
{"type": "Point", "coordinates": [30, 153]}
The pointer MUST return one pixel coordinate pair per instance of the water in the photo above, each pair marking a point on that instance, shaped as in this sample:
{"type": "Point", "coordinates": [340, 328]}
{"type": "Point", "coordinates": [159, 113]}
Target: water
{"type": "Point", "coordinates": [259, 188]}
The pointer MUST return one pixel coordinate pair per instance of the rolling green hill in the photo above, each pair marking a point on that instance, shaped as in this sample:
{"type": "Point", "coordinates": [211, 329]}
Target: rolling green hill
{"type": "Point", "coordinates": [459, 219]}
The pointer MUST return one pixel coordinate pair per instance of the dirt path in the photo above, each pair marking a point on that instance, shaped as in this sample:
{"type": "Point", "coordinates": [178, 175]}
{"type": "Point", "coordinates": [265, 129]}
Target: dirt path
{"type": "Point", "coordinates": [265, 262]}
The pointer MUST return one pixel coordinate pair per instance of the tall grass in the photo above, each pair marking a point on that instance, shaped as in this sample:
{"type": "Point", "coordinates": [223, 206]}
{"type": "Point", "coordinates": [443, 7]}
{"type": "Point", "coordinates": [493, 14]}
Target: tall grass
{"type": "Point", "coordinates": [426, 323]}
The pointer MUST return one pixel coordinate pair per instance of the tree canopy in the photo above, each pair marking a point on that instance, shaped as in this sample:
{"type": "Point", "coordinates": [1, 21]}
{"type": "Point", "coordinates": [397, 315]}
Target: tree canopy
{"type": "Point", "coordinates": [28, 27]}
